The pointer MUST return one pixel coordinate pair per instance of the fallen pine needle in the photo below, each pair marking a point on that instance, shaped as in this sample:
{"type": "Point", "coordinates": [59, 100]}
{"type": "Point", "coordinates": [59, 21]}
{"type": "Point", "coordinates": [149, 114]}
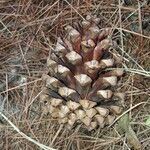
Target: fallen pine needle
{"type": "Point", "coordinates": [25, 136]}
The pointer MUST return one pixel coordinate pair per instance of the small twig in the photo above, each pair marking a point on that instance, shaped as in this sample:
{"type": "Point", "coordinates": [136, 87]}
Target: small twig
{"type": "Point", "coordinates": [56, 135]}
{"type": "Point", "coordinates": [140, 72]}
{"type": "Point", "coordinates": [132, 70]}
{"type": "Point", "coordinates": [74, 9]}
{"type": "Point", "coordinates": [16, 87]}
{"type": "Point", "coordinates": [132, 32]}
{"type": "Point", "coordinates": [5, 27]}
{"type": "Point", "coordinates": [126, 112]}
{"type": "Point", "coordinates": [26, 108]}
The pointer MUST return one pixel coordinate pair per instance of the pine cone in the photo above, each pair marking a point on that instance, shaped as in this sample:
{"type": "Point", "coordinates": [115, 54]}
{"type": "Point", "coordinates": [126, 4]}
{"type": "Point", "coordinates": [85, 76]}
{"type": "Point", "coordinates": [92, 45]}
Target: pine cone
{"type": "Point", "coordinates": [79, 87]}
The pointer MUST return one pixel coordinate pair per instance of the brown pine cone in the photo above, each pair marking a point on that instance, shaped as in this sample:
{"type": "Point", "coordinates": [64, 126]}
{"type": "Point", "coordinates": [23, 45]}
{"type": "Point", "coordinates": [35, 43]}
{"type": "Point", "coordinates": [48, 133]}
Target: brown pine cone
{"type": "Point", "coordinates": [79, 89]}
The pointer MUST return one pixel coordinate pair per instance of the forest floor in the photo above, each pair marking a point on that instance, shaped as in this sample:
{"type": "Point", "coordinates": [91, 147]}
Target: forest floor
{"type": "Point", "coordinates": [28, 30]}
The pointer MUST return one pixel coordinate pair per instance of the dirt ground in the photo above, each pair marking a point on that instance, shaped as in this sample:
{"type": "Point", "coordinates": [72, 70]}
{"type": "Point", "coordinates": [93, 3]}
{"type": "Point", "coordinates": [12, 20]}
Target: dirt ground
{"type": "Point", "coordinates": [28, 31]}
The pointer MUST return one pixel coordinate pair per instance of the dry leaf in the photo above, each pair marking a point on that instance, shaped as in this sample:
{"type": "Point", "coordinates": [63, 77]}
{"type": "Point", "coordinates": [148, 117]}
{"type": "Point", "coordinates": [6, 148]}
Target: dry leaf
{"type": "Point", "coordinates": [124, 126]}
{"type": "Point", "coordinates": [148, 121]}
